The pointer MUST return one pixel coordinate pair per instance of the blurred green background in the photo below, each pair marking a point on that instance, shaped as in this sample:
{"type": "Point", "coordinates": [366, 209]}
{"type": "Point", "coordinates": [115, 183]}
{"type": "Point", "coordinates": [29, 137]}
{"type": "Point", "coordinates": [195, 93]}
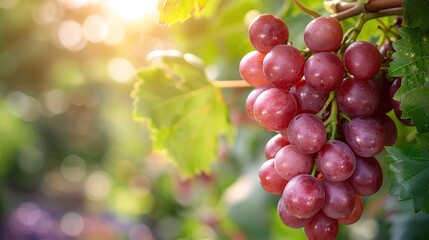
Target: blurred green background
{"type": "Point", "coordinates": [73, 163]}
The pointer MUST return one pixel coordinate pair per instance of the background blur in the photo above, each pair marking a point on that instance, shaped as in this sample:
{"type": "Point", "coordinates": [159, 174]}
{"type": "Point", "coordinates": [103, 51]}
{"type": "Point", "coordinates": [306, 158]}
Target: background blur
{"type": "Point", "coordinates": [73, 164]}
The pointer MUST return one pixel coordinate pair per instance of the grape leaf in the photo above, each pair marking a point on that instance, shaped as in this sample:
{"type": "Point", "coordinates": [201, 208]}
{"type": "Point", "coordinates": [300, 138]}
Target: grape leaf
{"type": "Point", "coordinates": [186, 113]}
{"type": "Point", "coordinates": [411, 61]}
{"type": "Point", "coordinates": [408, 169]}
{"type": "Point", "coordinates": [172, 11]}
{"type": "Point", "coordinates": [415, 13]}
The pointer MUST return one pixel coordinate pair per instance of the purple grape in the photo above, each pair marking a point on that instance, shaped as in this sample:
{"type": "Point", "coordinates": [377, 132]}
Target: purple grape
{"type": "Point", "coordinates": [267, 31]}
{"type": "Point", "coordinates": [308, 99]}
{"type": "Point", "coordinates": [356, 213]}
{"type": "Point", "coordinates": [336, 161]}
{"type": "Point", "coordinates": [283, 66]}
{"type": "Point", "coordinates": [269, 179]}
{"type": "Point", "coordinates": [303, 196]}
{"type": "Point", "coordinates": [339, 199]}
{"type": "Point", "coordinates": [323, 34]}
{"type": "Point", "coordinates": [290, 162]}
{"type": "Point", "coordinates": [358, 98]}
{"type": "Point", "coordinates": [324, 71]}
{"type": "Point", "coordinates": [368, 176]}
{"type": "Point", "coordinates": [362, 59]}
{"type": "Point", "coordinates": [307, 133]}
{"type": "Point", "coordinates": [274, 108]}
{"type": "Point", "coordinates": [383, 86]}
{"type": "Point", "coordinates": [389, 127]}
{"type": "Point", "coordinates": [365, 136]}
{"type": "Point", "coordinates": [321, 227]}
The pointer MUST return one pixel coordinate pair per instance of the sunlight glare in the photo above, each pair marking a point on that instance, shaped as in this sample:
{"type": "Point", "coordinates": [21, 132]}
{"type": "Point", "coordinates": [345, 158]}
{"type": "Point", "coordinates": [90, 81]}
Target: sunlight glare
{"type": "Point", "coordinates": [131, 10]}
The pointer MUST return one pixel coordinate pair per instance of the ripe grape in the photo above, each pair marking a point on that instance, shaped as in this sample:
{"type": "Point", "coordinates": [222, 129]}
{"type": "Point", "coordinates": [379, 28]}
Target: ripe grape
{"type": "Point", "coordinates": [365, 136]}
{"type": "Point", "coordinates": [390, 130]}
{"type": "Point", "coordinates": [307, 133]}
{"type": "Point", "coordinates": [321, 227]}
{"type": "Point", "coordinates": [323, 34]}
{"type": "Point", "coordinates": [383, 86]}
{"type": "Point", "coordinates": [308, 99]}
{"type": "Point", "coordinates": [356, 213]}
{"type": "Point", "coordinates": [273, 145]}
{"type": "Point", "coordinates": [336, 161]}
{"type": "Point", "coordinates": [368, 176]}
{"type": "Point", "coordinates": [283, 66]}
{"type": "Point", "coordinates": [339, 199]}
{"type": "Point", "coordinates": [324, 71]}
{"type": "Point", "coordinates": [251, 69]}
{"type": "Point", "coordinates": [289, 219]}
{"type": "Point", "coordinates": [357, 98]}
{"type": "Point", "coordinates": [290, 162]}
{"type": "Point", "coordinates": [303, 196]}
{"type": "Point", "coordinates": [251, 98]}
{"type": "Point", "coordinates": [362, 59]}
{"type": "Point", "coordinates": [274, 108]}
{"type": "Point", "coordinates": [267, 31]}
{"type": "Point", "coordinates": [269, 179]}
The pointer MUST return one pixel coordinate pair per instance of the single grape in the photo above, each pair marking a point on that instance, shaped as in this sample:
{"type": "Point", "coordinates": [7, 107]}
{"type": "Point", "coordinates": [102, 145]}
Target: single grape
{"type": "Point", "coordinates": [356, 213]}
{"type": "Point", "coordinates": [308, 99]}
{"type": "Point", "coordinates": [396, 104]}
{"type": "Point", "coordinates": [267, 31]}
{"type": "Point", "coordinates": [251, 69]}
{"type": "Point", "coordinates": [303, 196]}
{"type": "Point", "coordinates": [274, 109]}
{"type": "Point", "coordinates": [389, 126]}
{"type": "Point", "coordinates": [362, 60]}
{"type": "Point", "coordinates": [269, 179]}
{"type": "Point", "coordinates": [290, 162]}
{"type": "Point", "coordinates": [357, 98]}
{"type": "Point", "coordinates": [368, 176]}
{"type": "Point", "coordinates": [365, 136]}
{"type": "Point", "coordinates": [336, 161]}
{"type": "Point", "coordinates": [324, 71]}
{"type": "Point", "coordinates": [289, 219]}
{"type": "Point", "coordinates": [283, 66]}
{"type": "Point", "coordinates": [339, 199]}
{"type": "Point", "coordinates": [321, 227]}
{"type": "Point", "coordinates": [251, 98]}
{"type": "Point", "coordinates": [386, 51]}
{"type": "Point", "coordinates": [273, 145]}
{"type": "Point", "coordinates": [323, 34]}
{"type": "Point", "coordinates": [307, 133]}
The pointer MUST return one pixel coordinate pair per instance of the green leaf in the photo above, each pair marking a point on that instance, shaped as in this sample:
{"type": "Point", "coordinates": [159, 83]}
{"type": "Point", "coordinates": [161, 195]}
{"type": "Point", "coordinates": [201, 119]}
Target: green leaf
{"type": "Point", "coordinates": [173, 11]}
{"type": "Point", "coordinates": [408, 169]}
{"type": "Point", "coordinates": [187, 114]}
{"type": "Point", "coordinates": [411, 61]}
{"type": "Point", "coordinates": [415, 14]}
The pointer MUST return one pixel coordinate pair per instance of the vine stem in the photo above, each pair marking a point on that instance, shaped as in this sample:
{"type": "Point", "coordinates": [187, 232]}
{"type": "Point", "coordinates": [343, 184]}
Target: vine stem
{"type": "Point", "coordinates": [230, 83]}
{"type": "Point", "coordinates": [380, 8]}
{"type": "Point", "coordinates": [303, 8]}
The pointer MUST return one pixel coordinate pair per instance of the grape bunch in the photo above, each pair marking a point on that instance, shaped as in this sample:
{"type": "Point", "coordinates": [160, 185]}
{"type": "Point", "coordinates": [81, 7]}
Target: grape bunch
{"type": "Point", "coordinates": [328, 106]}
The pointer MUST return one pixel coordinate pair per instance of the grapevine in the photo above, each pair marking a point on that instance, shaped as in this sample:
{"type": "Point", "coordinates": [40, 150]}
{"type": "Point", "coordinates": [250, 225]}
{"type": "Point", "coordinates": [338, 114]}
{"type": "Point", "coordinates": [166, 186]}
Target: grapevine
{"type": "Point", "coordinates": [327, 104]}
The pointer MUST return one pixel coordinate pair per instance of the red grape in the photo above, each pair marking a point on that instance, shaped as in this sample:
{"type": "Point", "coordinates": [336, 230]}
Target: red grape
{"type": "Point", "coordinates": [289, 219]}
{"type": "Point", "coordinates": [323, 34]}
{"type": "Point", "coordinates": [269, 179]}
{"type": "Point", "coordinates": [307, 133]}
{"type": "Point", "coordinates": [290, 162]}
{"type": "Point", "coordinates": [251, 98]}
{"type": "Point", "coordinates": [368, 176]}
{"type": "Point", "coordinates": [356, 213]}
{"type": "Point", "coordinates": [273, 145]}
{"type": "Point", "coordinates": [336, 161]}
{"type": "Point", "coordinates": [362, 59]}
{"type": "Point", "coordinates": [308, 99]}
{"type": "Point", "coordinates": [365, 136]}
{"type": "Point", "coordinates": [251, 69]}
{"type": "Point", "coordinates": [267, 31]}
{"type": "Point", "coordinates": [321, 227]}
{"type": "Point", "coordinates": [324, 71]}
{"type": "Point", "coordinates": [339, 199]}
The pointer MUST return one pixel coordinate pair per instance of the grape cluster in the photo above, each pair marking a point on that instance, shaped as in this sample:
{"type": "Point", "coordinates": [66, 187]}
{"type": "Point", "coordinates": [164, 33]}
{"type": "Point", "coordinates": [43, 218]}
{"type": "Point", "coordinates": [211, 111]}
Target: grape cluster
{"type": "Point", "coordinates": [328, 107]}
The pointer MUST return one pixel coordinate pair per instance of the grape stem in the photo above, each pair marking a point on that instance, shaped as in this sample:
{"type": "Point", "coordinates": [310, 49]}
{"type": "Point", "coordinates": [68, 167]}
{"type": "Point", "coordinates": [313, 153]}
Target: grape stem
{"type": "Point", "coordinates": [371, 6]}
{"type": "Point", "coordinates": [358, 9]}
{"type": "Point", "coordinates": [306, 10]}
{"type": "Point", "coordinates": [230, 83]}
{"type": "Point", "coordinates": [326, 105]}
{"type": "Point", "coordinates": [332, 120]}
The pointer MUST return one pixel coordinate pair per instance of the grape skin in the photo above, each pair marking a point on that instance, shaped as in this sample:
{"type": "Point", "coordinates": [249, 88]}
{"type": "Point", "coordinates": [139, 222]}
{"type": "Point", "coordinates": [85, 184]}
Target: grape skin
{"type": "Point", "coordinates": [336, 161]}
{"type": "Point", "coordinates": [339, 199]}
{"type": "Point", "coordinates": [289, 219]}
{"type": "Point", "coordinates": [283, 66]}
{"type": "Point", "coordinates": [368, 176]}
{"type": "Point", "coordinates": [321, 227]}
{"type": "Point", "coordinates": [323, 34]}
{"type": "Point", "coordinates": [251, 69]}
{"type": "Point", "coordinates": [324, 71]}
{"type": "Point", "coordinates": [358, 98]}
{"type": "Point", "coordinates": [307, 133]}
{"type": "Point", "coordinates": [365, 136]}
{"type": "Point", "coordinates": [273, 145]}
{"type": "Point", "coordinates": [274, 108]}
{"type": "Point", "coordinates": [251, 98]}
{"type": "Point", "coordinates": [356, 213]}
{"type": "Point", "coordinates": [362, 59]}
{"type": "Point", "coordinates": [267, 31]}
{"type": "Point", "coordinates": [290, 162]}
{"type": "Point", "coordinates": [303, 196]}
{"type": "Point", "coordinates": [269, 179]}
{"type": "Point", "coordinates": [308, 99]}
